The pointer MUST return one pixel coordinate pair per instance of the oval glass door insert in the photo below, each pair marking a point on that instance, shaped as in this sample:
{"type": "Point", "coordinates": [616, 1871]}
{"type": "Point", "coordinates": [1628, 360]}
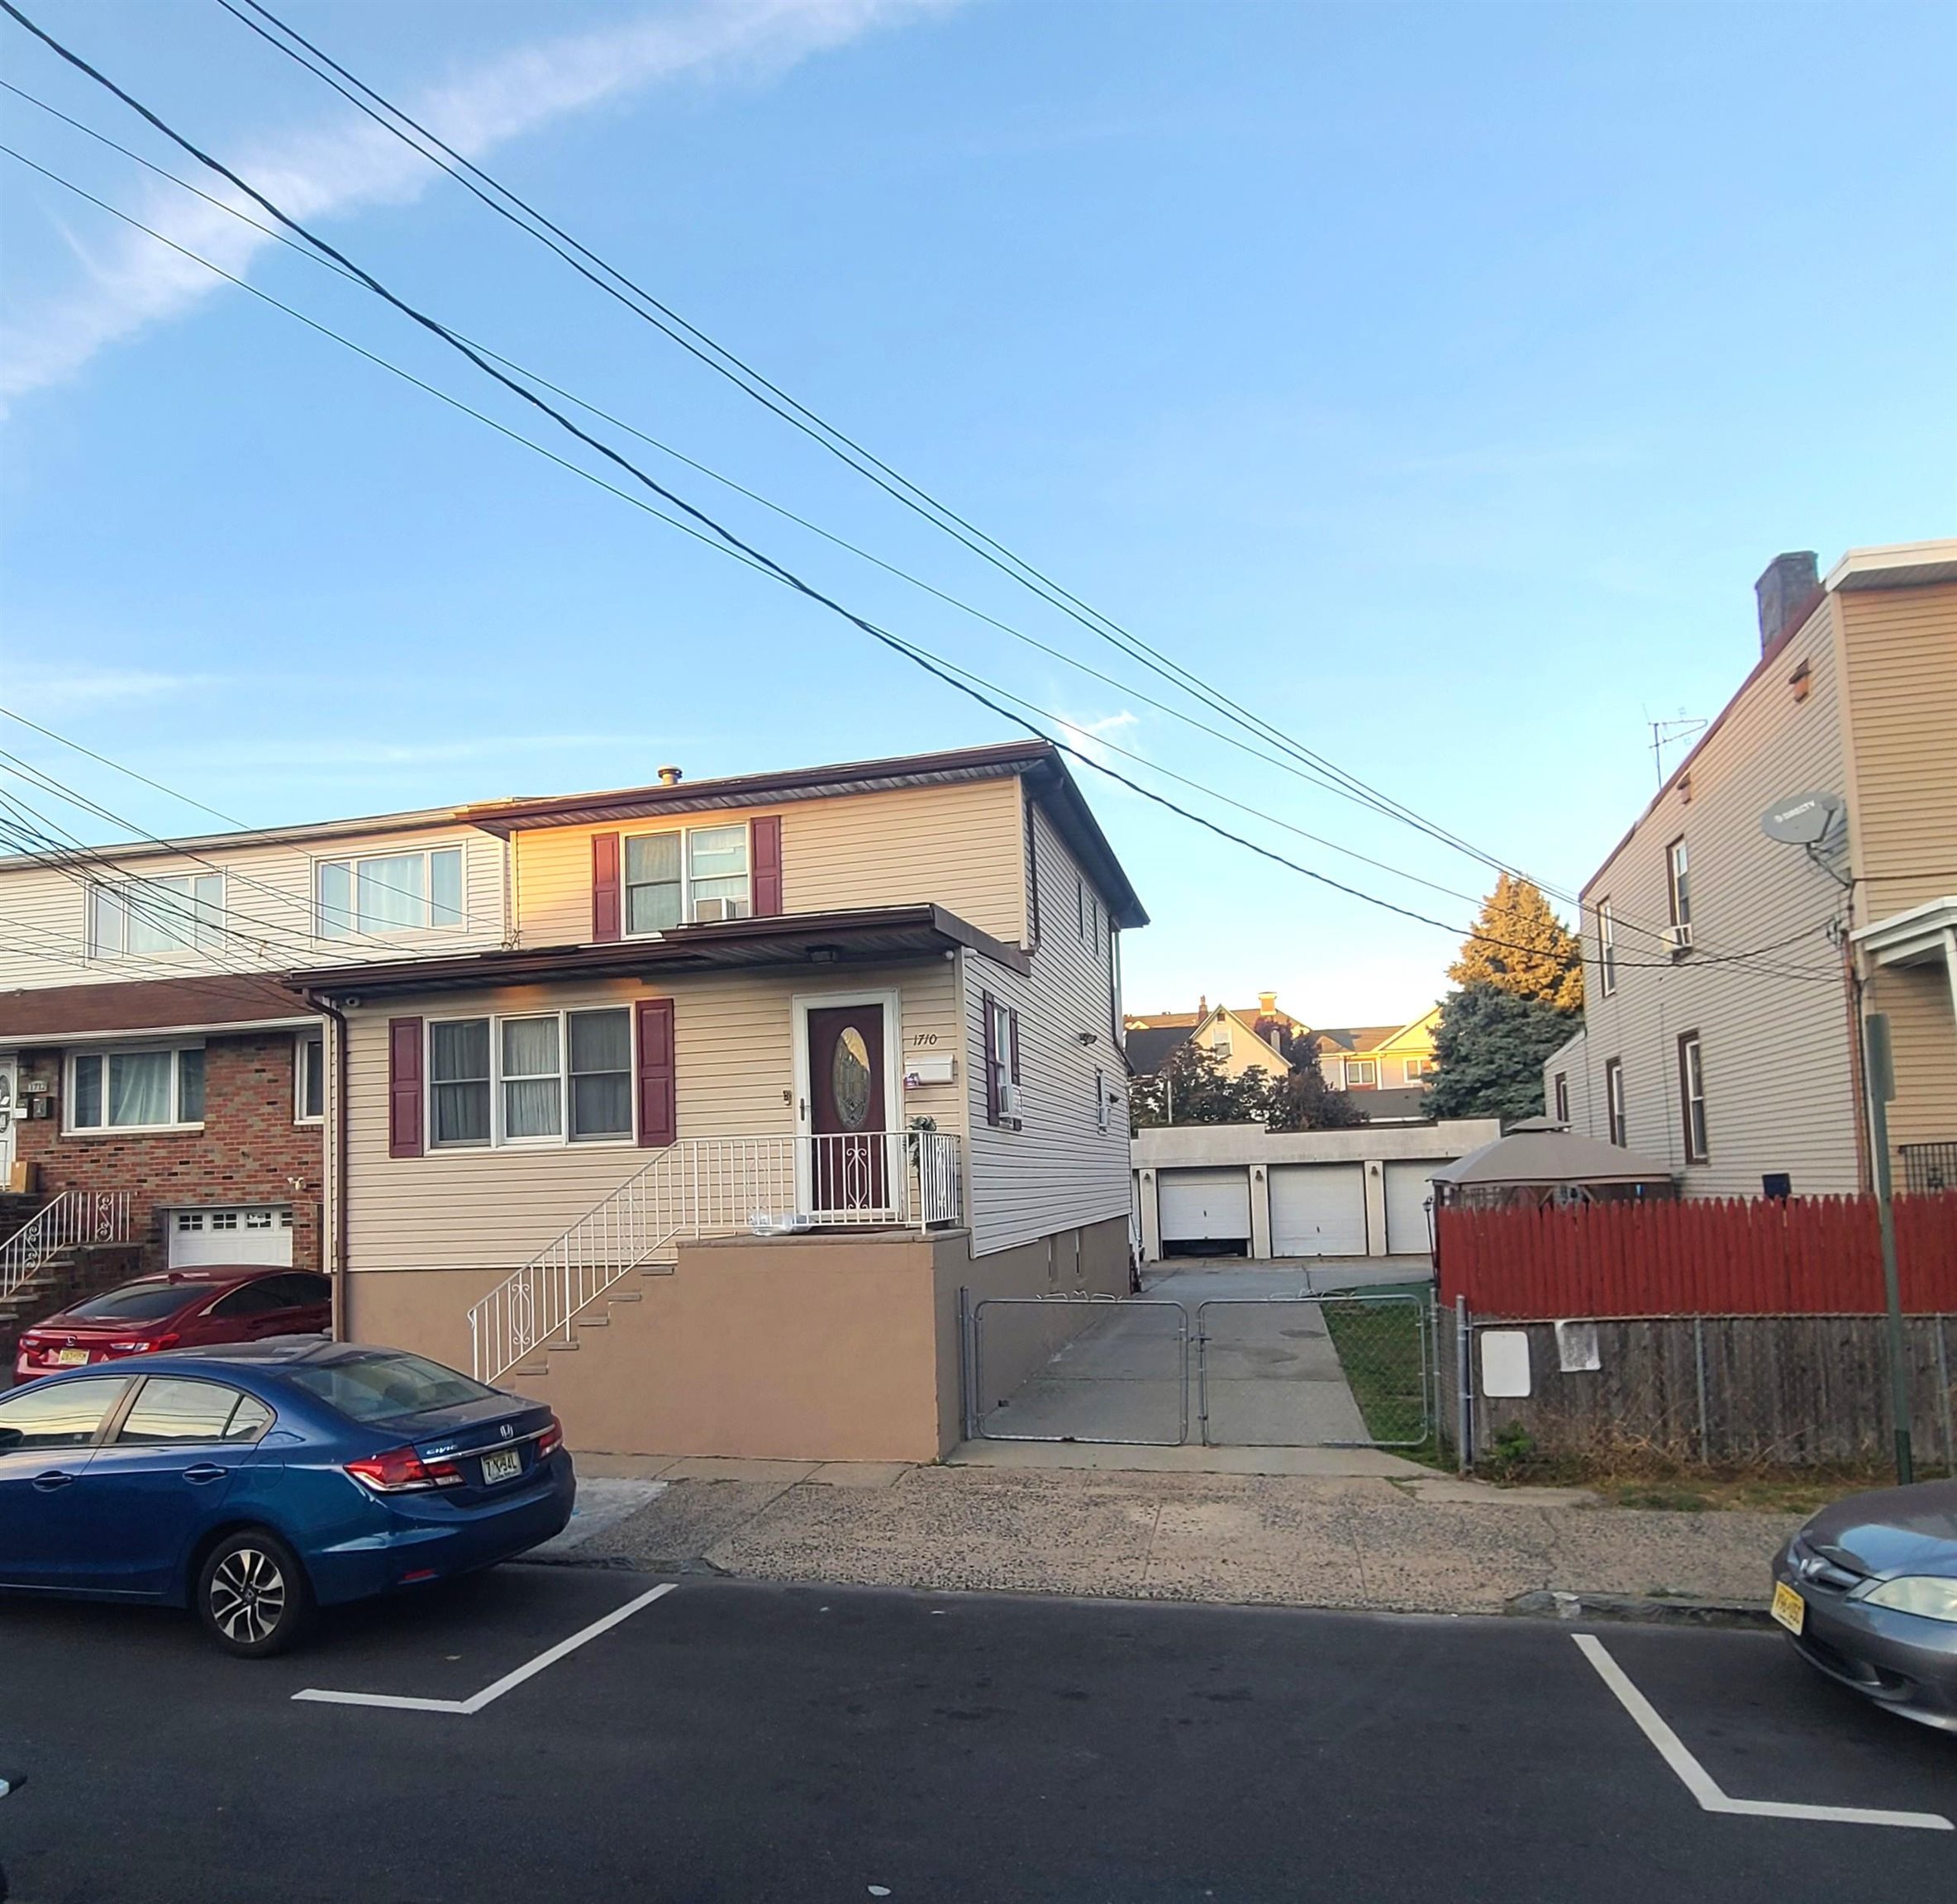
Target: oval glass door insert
{"type": "Point", "coordinates": [850, 1075]}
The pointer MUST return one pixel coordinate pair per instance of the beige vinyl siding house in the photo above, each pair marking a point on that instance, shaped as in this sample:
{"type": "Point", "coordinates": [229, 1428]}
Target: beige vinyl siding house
{"type": "Point", "coordinates": [871, 1010]}
{"type": "Point", "coordinates": [1751, 1008]}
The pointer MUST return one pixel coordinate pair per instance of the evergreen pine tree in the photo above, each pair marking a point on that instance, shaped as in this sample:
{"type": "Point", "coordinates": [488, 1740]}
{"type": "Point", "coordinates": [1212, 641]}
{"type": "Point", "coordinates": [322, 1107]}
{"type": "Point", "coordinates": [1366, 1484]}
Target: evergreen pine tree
{"type": "Point", "coordinates": [1534, 954]}
{"type": "Point", "coordinates": [1491, 1046]}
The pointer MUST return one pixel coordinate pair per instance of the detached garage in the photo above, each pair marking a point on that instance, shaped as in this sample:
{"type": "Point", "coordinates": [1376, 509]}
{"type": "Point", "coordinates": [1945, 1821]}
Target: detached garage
{"type": "Point", "coordinates": [1409, 1186]}
{"type": "Point", "coordinates": [1318, 1209]}
{"type": "Point", "coordinates": [1205, 1212]}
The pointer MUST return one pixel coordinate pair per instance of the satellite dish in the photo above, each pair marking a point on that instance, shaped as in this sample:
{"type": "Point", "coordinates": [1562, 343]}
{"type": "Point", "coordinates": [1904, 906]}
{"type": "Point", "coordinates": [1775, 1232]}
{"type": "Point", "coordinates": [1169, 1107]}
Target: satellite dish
{"type": "Point", "coordinates": [1804, 821]}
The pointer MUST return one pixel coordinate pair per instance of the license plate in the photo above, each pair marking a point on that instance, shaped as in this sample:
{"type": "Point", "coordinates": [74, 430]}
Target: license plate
{"type": "Point", "coordinates": [1789, 1607]}
{"type": "Point", "coordinates": [70, 1358]}
{"type": "Point", "coordinates": [505, 1464]}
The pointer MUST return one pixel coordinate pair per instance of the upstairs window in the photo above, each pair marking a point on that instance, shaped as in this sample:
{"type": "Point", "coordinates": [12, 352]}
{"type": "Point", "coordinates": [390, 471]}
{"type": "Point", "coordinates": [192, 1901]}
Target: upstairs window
{"type": "Point", "coordinates": [1614, 1099]}
{"type": "Point", "coordinates": [1418, 1070]}
{"type": "Point", "coordinates": [1607, 947]}
{"type": "Point", "coordinates": [1679, 889]}
{"type": "Point", "coordinates": [1362, 1072]}
{"type": "Point", "coordinates": [145, 1090]}
{"type": "Point", "coordinates": [390, 892]}
{"type": "Point", "coordinates": [139, 918]}
{"type": "Point", "coordinates": [687, 878]}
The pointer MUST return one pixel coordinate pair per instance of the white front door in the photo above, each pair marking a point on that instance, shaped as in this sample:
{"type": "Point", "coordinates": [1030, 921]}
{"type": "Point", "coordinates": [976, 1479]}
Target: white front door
{"type": "Point", "coordinates": [10, 1096]}
{"type": "Point", "coordinates": [253, 1233]}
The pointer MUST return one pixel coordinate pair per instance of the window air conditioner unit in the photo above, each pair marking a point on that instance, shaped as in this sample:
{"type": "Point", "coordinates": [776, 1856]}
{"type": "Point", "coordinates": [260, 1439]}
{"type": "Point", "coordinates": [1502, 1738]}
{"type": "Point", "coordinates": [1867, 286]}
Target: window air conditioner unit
{"type": "Point", "coordinates": [711, 910]}
{"type": "Point", "coordinates": [1678, 938]}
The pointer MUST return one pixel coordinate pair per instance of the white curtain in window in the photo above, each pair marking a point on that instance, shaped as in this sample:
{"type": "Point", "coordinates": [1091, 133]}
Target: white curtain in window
{"type": "Point", "coordinates": [392, 894]}
{"type": "Point", "coordinates": [529, 1069]}
{"type": "Point", "coordinates": [652, 882]}
{"type": "Point", "coordinates": [601, 1074]}
{"type": "Point", "coordinates": [140, 1088]}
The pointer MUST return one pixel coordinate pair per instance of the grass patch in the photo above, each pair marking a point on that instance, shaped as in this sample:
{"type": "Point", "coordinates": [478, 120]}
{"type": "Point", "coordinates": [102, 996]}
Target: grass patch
{"type": "Point", "coordinates": [1383, 1348]}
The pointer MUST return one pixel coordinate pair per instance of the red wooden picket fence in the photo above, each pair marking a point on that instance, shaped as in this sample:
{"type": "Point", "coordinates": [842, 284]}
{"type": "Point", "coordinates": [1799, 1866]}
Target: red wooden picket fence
{"type": "Point", "coordinates": [1809, 1255]}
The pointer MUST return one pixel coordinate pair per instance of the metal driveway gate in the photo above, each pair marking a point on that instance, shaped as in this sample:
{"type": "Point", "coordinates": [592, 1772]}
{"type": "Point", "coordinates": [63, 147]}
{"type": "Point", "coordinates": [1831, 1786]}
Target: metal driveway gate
{"type": "Point", "coordinates": [1101, 1369]}
{"type": "Point", "coordinates": [1346, 1371]}
{"type": "Point", "coordinates": [1352, 1370]}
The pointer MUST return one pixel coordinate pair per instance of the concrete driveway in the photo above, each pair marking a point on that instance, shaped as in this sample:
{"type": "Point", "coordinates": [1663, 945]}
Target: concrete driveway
{"type": "Point", "coordinates": [1134, 1374]}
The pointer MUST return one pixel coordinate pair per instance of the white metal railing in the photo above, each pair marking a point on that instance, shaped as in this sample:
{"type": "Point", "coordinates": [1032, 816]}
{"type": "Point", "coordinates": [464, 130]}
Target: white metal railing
{"type": "Point", "coordinates": [75, 1216]}
{"type": "Point", "coordinates": [715, 1186]}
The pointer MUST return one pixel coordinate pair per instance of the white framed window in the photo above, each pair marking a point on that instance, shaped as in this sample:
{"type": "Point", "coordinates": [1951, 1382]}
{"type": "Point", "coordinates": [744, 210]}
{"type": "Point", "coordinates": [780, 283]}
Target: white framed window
{"type": "Point", "coordinates": [1100, 1100]}
{"type": "Point", "coordinates": [379, 893]}
{"type": "Point", "coordinates": [1002, 1086]}
{"type": "Point", "coordinates": [538, 1078]}
{"type": "Point", "coordinates": [1613, 1101]}
{"type": "Point", "coordinates": [1417, 1070]}
{"type": "Point", "coordinates": [1361, 1071]}
{"type": "Point", "coordinates": [151, 1088]}
{"type": "Point", "coordinates": [1080, 906]}
{"type": "Point", "coordinates": [1607, 947]}
{"type": "Point", "coordinates": [141, 918]}
{"type": "Point", "coordinates": [309, 1077]}
{"type": "Point", "coordinates": [1678, 884]}
{"type": "Point", "coordinates": [1692, 1097]}
{"type": "Point", "coordinates": [686, 878]}
{"type": "Point", "coordinates": [1562, 1096]}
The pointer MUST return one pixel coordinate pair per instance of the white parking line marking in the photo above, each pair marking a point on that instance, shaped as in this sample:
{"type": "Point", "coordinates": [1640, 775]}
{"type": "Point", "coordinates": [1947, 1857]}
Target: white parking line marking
{"type": "Point", "coordinates": [1700, 1782]}
{"type": "Point", "coordinates": [400, 1702]}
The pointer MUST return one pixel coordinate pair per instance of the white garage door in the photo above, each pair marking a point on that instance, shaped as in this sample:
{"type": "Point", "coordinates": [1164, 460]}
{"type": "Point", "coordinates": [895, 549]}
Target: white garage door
{"type": "Point", "coordinates": [1408, 1189]}
{"type": "Point", "coordinates": [1204, 1205]}
{"type": "Point", "coordinates": [240, 1233]}
{"type": "Point", "coordinates": [1318, 1209]}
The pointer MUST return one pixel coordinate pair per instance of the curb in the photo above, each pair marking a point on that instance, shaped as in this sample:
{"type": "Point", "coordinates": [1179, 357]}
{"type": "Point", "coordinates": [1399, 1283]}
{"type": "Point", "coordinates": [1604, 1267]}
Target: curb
{"type": "Point", "coordinates": [1638, 1609]}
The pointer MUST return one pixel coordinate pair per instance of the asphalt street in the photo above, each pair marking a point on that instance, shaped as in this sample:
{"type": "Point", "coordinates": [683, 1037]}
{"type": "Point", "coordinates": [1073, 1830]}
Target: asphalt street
{"type": "Point", "coordinates": [739, 1741]}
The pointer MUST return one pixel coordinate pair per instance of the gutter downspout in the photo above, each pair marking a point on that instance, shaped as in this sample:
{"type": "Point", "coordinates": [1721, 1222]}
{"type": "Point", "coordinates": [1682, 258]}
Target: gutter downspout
{"type": "Point", "coordinates": [337, 1173]}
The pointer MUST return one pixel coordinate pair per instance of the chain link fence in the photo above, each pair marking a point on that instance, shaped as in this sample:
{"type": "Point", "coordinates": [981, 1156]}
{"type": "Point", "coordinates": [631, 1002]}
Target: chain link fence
{"type": "Point", "coordinates": [1744, 1390]}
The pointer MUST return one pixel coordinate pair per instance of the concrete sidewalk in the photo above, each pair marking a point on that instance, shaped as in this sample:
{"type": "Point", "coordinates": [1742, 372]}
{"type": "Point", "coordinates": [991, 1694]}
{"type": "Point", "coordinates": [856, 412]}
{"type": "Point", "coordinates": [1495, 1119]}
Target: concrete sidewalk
{"type": "Point", "coordinates": [1428, 1543]}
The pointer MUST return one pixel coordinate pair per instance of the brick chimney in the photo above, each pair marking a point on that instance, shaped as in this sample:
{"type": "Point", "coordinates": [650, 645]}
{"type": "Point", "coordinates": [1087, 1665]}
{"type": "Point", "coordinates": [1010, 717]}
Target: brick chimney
{"type": "Point", "coordinates": [1267, 1004]}
{"type": "Point", "coordinates": [1788, 594]}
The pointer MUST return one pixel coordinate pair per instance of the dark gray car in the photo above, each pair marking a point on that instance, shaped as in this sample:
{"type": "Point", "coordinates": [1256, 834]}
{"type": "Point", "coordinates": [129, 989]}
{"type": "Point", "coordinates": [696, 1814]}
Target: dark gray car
{"type": "Point", "coordinates": [1868, 1592]}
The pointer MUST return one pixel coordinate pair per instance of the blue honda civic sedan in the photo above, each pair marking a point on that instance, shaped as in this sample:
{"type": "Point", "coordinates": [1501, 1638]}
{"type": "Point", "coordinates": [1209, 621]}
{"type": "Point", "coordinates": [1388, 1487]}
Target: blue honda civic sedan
{"type": "Point", "coordinates": [255, 1482]}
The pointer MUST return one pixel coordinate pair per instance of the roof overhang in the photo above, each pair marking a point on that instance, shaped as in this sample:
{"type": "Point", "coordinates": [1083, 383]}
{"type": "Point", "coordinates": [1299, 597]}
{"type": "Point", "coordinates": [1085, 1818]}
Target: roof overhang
{"type": "Point", "coordinates": [147, 1008]}
{"type": "Point", "coordinates": [1921, 935]}
{"type": "Point", "coordinates": [1899, 565]}
{"type": "Point", "coordinates": [879, 935]}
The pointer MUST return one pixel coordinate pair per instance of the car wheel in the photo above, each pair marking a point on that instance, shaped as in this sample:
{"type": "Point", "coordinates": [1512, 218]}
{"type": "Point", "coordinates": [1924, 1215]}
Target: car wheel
{"type": "Point", "coordinates": [252, 1594]}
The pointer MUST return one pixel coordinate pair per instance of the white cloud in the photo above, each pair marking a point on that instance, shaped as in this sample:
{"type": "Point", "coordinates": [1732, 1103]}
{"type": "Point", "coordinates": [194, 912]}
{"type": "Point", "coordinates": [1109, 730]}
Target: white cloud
{"type": "Point", "coordinates": [348, 163]}
{"type": "Point", "coordinates": [1088, 734]}
{"type": "Point", "coordinates": [56, 690]}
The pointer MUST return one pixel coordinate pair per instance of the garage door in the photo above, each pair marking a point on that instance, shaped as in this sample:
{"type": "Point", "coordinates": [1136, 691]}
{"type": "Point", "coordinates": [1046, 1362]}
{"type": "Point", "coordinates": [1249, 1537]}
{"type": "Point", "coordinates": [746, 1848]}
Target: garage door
{"type": "Point", "coordinates": [1204, 1205]}
{"type": "Point", "coordinates": [1318, 1209]}
{"type": "Point", "coordinates": [239, 1233]}
{"type": "Point", "coordinates": [1408, 1189]}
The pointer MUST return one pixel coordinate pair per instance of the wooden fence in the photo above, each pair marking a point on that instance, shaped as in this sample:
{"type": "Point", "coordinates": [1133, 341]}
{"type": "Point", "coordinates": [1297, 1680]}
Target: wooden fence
{"type": "Point", "coordinates": [1805, 1256]}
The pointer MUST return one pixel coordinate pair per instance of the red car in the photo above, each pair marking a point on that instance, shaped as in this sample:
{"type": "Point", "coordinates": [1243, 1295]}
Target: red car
{"type": "Point", "coordinates": [181, 1309]}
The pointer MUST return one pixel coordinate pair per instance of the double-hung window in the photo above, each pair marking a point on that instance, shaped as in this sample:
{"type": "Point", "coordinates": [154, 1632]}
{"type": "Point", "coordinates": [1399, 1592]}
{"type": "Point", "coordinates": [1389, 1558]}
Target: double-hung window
{"type": "Point", "coordinates": [309, 1078]}
{"type": "Point", "coordinates": [1361, 1071]}
{"type": "Point", "coordinates": [138, 918]}
{"type": "Point", "coordinates": [1678, 892]}
{"type": "Point", "coordinates": [687, 878]}
{"type": "Point", "coordinates": [540, 1078]}
{"type": "Point", "coordinates": [142, 1090]}
{"type": "Point", "coordinates": [1607, 947]}
{"type": "Point", "coordinates": [1417, 1070]}
{"type": "Point", "coordinates": [387, 892]}
{"type": "Point", "coordinates": [1101, 1103]}
{"type": "Point", "coordinates": [1563, 1097]}
{"type": "Point", "coordinates": [1614, 1099]}
{"type": "Point", "coordinates": [1692, 1097]}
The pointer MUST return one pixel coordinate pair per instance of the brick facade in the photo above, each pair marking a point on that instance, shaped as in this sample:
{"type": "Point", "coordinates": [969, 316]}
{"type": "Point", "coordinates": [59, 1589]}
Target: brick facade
{"type": "Point", "coordinates": [248, 1151]}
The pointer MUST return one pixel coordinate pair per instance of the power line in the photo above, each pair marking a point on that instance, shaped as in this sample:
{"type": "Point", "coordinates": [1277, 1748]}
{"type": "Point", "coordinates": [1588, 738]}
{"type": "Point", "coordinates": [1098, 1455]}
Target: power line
{"type": "Point", "coordinates": [527, 218]}
{"type": "Point", "coordinates": [662, 317]}
{"type": "Point", "coordinates": [731, 545]}
{"type": "Point", "coordinates": [979, 614]}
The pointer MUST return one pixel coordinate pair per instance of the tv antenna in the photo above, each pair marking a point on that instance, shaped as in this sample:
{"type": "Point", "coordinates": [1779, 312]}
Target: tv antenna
{"type": "Point", "coordinates": [1665, 733]}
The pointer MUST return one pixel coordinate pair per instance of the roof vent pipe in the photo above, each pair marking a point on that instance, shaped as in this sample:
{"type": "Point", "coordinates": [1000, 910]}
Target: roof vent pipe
{"type": "Point", "coordinates": [669, 776]}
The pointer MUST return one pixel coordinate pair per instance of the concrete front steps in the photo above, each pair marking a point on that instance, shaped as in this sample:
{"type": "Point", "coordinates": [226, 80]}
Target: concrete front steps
{"type": "Point", "coordinates": [67, 1277]}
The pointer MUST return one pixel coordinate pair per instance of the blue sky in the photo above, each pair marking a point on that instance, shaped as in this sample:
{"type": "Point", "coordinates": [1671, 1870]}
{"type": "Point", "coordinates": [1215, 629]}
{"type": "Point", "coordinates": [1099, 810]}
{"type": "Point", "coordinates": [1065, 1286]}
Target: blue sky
{"type": "Point", "coordinates": [1434, 381]}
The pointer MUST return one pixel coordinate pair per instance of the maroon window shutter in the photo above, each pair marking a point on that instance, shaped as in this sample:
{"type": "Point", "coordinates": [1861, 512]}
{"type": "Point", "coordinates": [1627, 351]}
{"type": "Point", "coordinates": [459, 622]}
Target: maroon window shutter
{"type": "Point", "coordinates": [992, 1057]}
{"type": "Point", "coordinates": [605, 909]}
{"type": "Point", "coordinates": [658, 1075]}
{"type": "Point", "coordinates": [1012, 1040]}
{"type": "Point", "coordinates": [404, 1086]}
{"type": "Point", "coordinates": [764, 864]}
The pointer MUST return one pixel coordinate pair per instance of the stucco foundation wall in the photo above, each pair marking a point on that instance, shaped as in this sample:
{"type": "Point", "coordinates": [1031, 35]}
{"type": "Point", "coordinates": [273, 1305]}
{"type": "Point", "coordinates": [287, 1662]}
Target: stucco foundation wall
{"type": "Point", "coordinates": [841, 1347]}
